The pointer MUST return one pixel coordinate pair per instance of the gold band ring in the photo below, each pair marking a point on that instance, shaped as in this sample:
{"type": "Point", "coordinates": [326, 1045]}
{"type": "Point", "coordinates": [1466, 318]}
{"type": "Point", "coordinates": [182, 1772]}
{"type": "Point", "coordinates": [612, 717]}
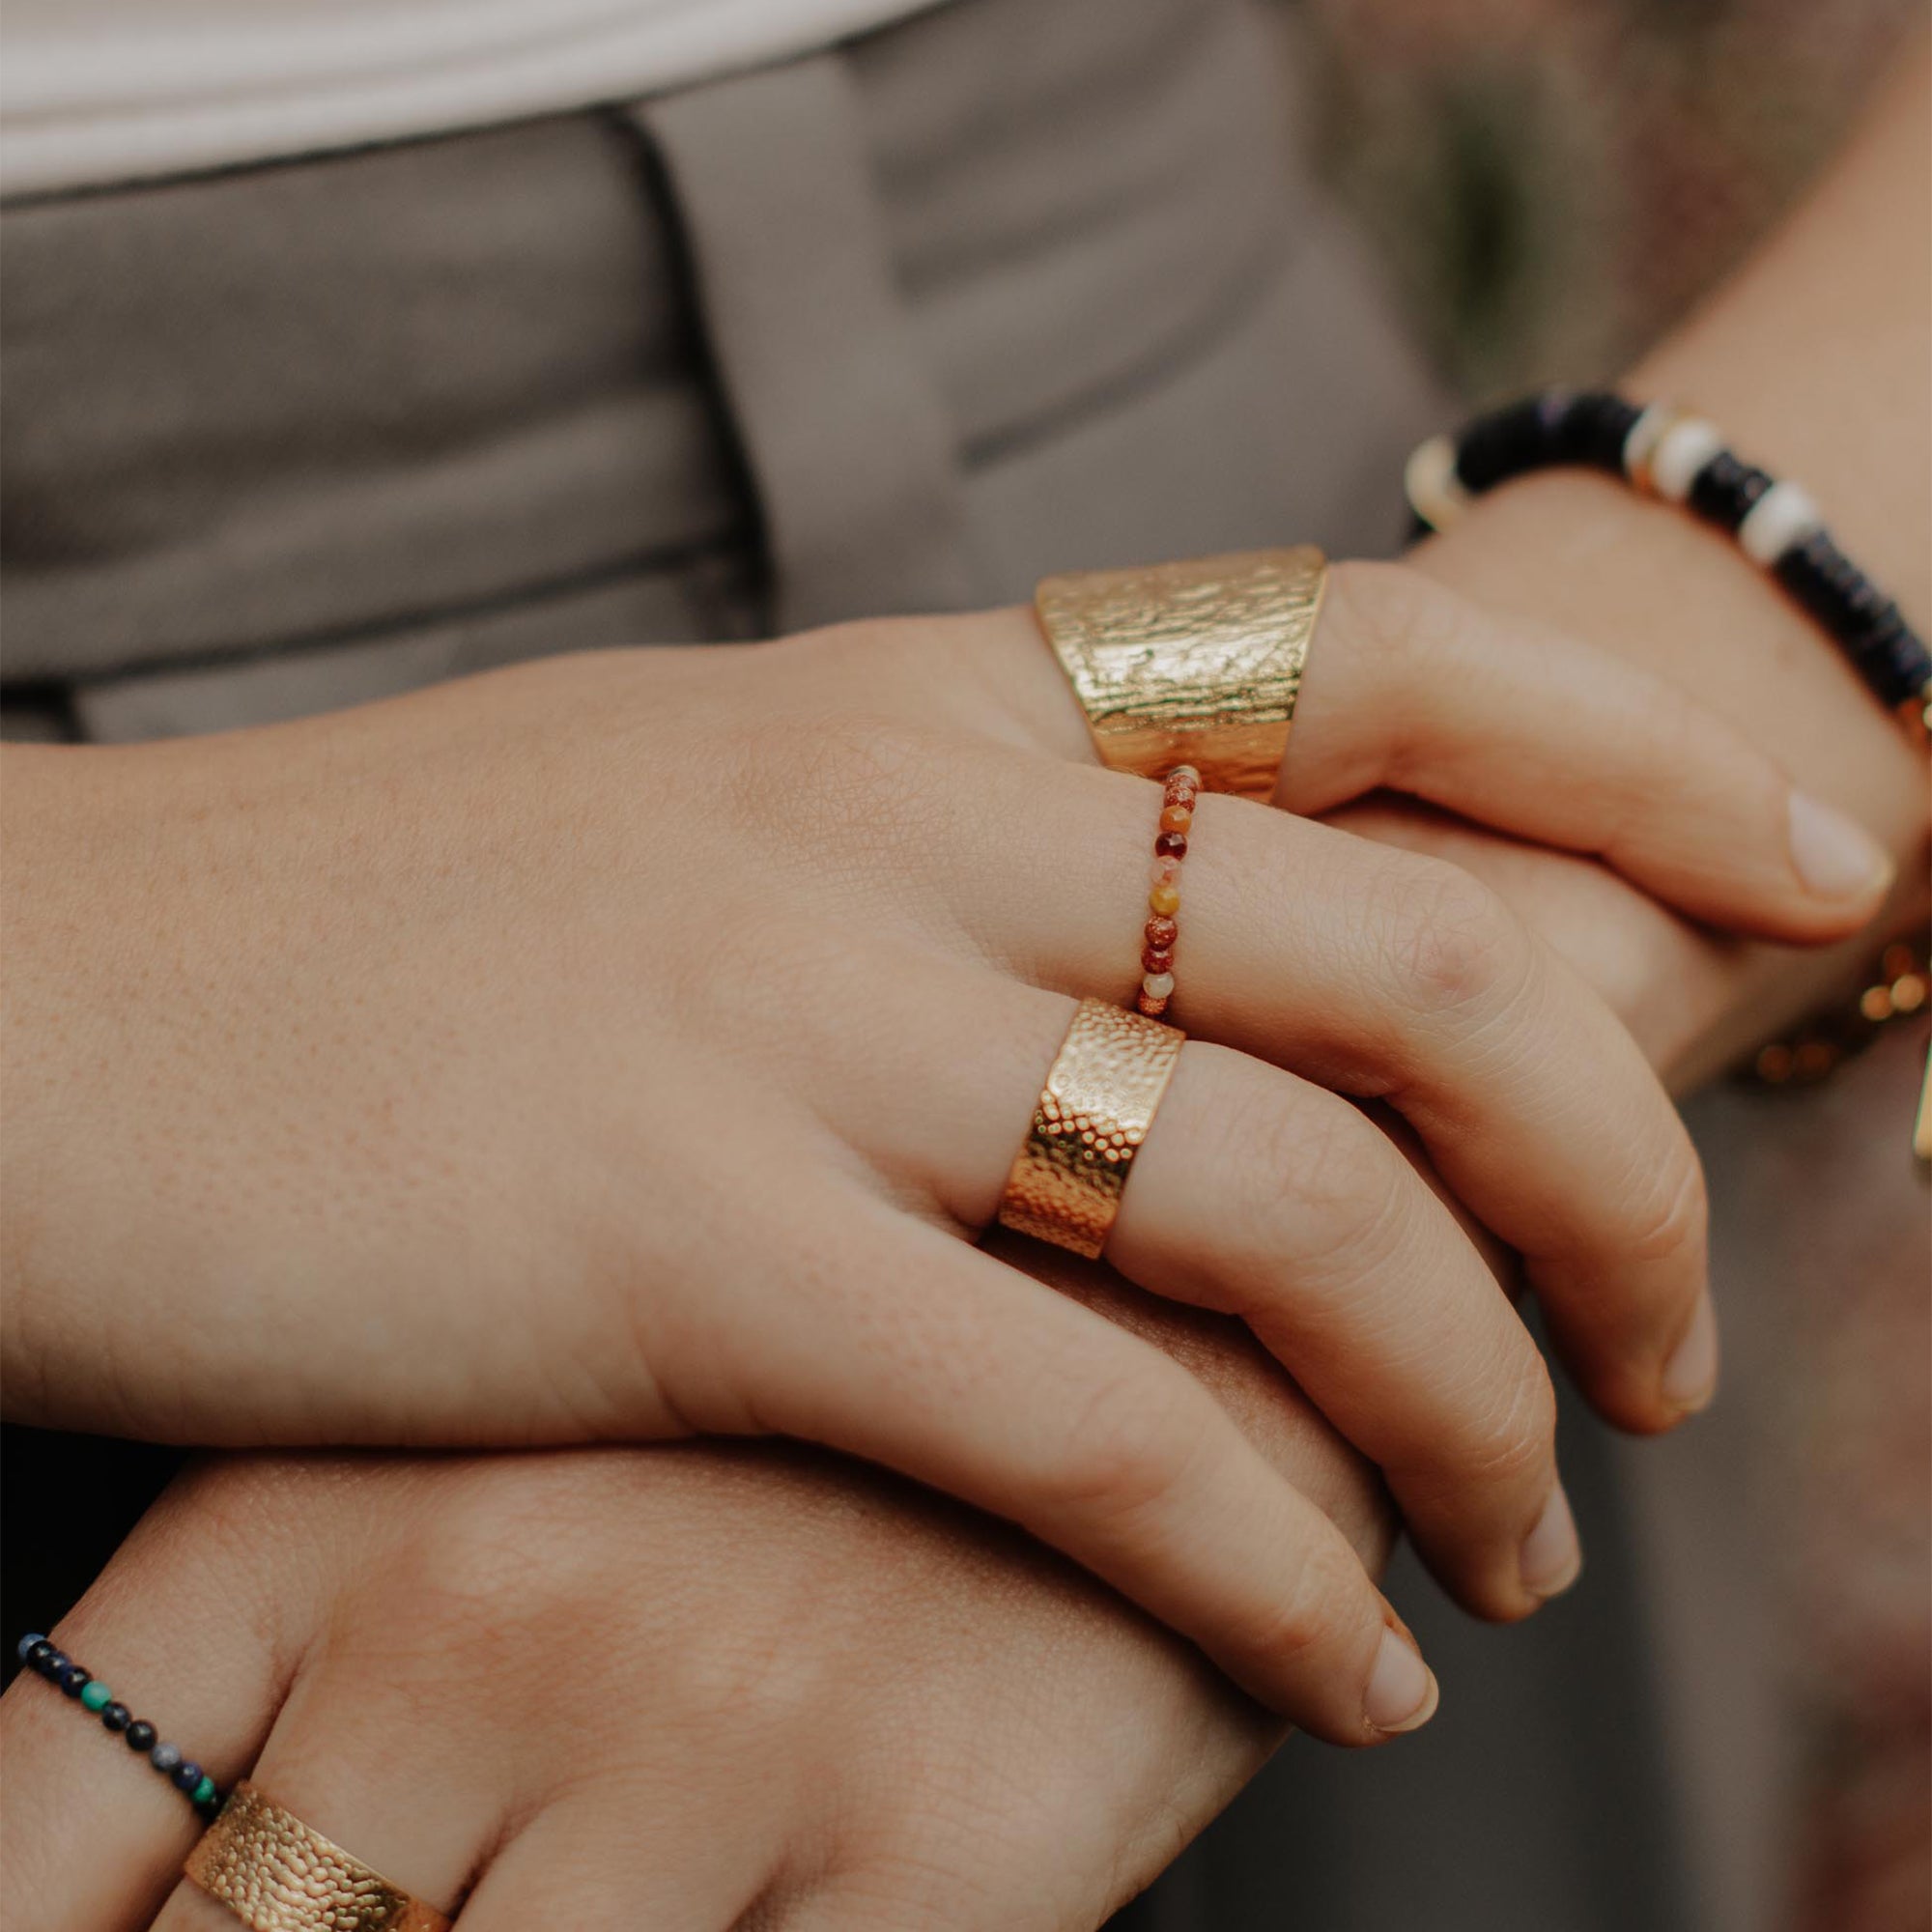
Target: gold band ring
{"type": "Point", "coordinates": [1196, 663]}
{"type": "Point", "coordinates": [1087, 1125]}
{"type": "Point", "coordinates": [275, 1874]}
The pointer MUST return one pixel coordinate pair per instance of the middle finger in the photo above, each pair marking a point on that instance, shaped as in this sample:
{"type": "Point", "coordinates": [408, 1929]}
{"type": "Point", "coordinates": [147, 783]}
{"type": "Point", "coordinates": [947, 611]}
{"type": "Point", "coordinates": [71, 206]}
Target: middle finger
{"type": "Point", "coordinates": [1392, 976]}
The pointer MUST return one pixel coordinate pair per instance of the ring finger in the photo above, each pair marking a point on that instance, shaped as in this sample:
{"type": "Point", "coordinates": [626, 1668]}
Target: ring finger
{"type": "Point", "coordinates": [1261, 1195]}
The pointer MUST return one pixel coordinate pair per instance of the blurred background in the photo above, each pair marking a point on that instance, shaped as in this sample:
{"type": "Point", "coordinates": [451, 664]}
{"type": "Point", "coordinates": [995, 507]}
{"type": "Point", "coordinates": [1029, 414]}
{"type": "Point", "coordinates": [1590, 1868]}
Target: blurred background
{"type": "Point", "coordinates": [1553, 181]}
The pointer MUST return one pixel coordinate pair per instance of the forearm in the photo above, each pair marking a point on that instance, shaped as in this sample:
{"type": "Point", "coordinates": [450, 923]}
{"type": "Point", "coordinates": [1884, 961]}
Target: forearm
{"type": "Point", "coordinates": [1815, 362]}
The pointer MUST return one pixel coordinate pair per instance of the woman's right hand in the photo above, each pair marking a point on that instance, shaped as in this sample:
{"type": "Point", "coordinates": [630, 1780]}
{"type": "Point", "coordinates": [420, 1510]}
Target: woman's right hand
{"type": "Point", "coordinates": [630, 1046]}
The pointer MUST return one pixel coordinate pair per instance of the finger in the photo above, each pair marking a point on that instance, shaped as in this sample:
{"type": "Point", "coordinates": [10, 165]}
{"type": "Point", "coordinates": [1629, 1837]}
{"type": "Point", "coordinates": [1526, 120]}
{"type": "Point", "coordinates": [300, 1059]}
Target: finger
{"type": "Point", "coordinates": [1272, 1198]}
{"type": "Point", "coordinates": [1664, 978]}
{"type": "Point", "coordinates": [350, 1756]}
{"type": "Point", "coordinates": [1411, 689]}
{"type": "Point", "coordinates": [1384, 975]}
{"type": "Point", "coordinates": [91, 1836]}
{"type": "Point", "coordinates": [1260, 1195]}
{"type": "Point", "coordinates": [917, 1351]}
{"type": "Point", "coordinates": [623, 1855]}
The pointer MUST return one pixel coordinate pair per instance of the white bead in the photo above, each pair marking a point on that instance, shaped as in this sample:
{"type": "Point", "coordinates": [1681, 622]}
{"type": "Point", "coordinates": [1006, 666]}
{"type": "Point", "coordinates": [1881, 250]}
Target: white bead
{"type": "Point", "coordinates": [1687, 446]}
{"type": "Point", "coordinates": [1186, 775]}
{"type": "Point", "coordinates": [1157, 985]}
{"type": "Point", "coordinates": [1785, 515]}
{"type": "Point", "coordinates": [1646, 434]}
{"type": "Point", "coordinates": [1436, 492]}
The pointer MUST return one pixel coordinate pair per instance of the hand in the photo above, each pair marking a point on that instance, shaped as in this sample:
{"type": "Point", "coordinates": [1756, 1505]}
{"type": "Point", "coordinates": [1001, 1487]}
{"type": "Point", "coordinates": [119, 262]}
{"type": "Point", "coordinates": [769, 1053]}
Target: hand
{"type": "Point", "coordinates": [648, 1689]}
{"type": "Point", "coordinates": [1839, 395]}
{"type": "Point", "coordinates": [1649, 583]}
{"type": "Point", "coordinates": [620, 1046]}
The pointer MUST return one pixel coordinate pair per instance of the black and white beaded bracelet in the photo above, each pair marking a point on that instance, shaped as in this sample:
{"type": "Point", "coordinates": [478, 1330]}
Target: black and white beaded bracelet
{"type": "Point", "coordinates": [45, 1659]}
{"type": "Point", "coordinates": [1680, 457]}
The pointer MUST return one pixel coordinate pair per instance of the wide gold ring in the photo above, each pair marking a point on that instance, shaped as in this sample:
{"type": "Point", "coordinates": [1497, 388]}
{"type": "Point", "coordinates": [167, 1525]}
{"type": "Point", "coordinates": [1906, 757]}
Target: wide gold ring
{"type": "Point", "coordinates": [277, 1874]}
{"type": "Point", "coordinates": [1190, 664]}
{"type": "Point", "coordinates": [1088, 1125]}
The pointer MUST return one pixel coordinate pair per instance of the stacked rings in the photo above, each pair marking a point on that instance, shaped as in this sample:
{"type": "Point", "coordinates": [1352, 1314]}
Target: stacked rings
{"type": "Point", "coordinates": [38, 1654]}
{"type": "Point", "coordinates": [1162, 929]}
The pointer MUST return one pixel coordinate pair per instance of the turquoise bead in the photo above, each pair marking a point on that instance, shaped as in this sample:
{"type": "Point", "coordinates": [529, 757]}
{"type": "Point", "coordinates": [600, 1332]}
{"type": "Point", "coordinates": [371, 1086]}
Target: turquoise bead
{"type": "Point", "coordinates": [203, 1791]}
{"type": "Point", "coordinates": [94, 1695]}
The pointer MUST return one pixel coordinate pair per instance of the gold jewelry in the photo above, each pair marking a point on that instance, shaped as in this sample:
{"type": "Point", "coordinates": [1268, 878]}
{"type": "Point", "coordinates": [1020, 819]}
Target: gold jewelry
{"type": "Point", "coordinates": [275, 1874]}
{"type": "Point", "coordinates": [1190, 664]}
{"type": "Point", "coordinates": [1087, 1125]}
{"type": "Point", "coordinates": [1900, 988]}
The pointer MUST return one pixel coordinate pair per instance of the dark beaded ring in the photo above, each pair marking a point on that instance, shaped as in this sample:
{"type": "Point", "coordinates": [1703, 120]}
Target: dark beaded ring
{"type": "Point", "coordinates": [40, 1656]}
{"type": "Point", "coordinates": [1683, 459]}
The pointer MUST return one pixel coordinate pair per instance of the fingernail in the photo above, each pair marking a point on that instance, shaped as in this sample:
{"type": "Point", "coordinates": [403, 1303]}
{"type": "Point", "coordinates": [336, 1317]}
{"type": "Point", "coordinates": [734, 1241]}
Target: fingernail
{"type": "Point", "coordinates": [1551, 1556]}
{"type": "Point", "coordinates": [1836, 855]}
{"type": "Point", "coordinates": [1402, 1688]}
{"type": "Point", "coordinates": [1690, 1375]}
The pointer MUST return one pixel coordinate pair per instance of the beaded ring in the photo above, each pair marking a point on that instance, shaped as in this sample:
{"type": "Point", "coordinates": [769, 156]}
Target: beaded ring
{"type": "Point", "coordinates": [1683, 459]}
{"type": "Point", "coordinates": [1162, 929]}
{"type": "Point", "coordinates": [38, 1654]}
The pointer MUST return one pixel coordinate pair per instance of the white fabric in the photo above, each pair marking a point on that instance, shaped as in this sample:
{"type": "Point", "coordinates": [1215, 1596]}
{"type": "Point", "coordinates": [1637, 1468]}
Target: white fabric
{"type": "Point", "coordinates": [98, 91]}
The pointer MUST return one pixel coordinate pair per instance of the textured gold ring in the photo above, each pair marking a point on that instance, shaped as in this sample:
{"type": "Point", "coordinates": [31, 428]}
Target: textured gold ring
{"type": "Point", "coordinates": [277, 1874]}
{"type": "Point", "coordinates": [1088, 1125]}
{"type": "Point", "coordinates": [1190, 664]}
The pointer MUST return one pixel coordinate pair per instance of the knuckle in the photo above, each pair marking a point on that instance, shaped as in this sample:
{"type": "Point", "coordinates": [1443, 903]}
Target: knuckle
{"type": "Point", "coordinates": [1449, 945]}
{"type": "Point", "coordinates": [750, 1676]}
{"type": "Point", "coordinates": [1127, 1452]}
{"type": "Point", "coordinates": [1307, 1175]}
{"type": "Point", "coordinates": [1514, 1437]}
{"type": "Point", "coordinates": [850, 774]}
{"type": "Point", "coordinates": [498, 1558]}
{"type": "Point", "coordinates": [1676, 1221]}
{"type": "Point", "coordinates": [1312, 1624]}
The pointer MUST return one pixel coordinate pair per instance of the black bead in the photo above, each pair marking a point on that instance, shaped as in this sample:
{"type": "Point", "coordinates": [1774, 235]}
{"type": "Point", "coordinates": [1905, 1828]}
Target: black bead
{"type": "Point", "coordinates": [186, 1775]}
{"type": "Point", "coordinates": [1892, 658]}
{"type": "Point", "coordinates": [52, 1663]}
{"type": "Point", "coordinates": [1724, 490]}
{"type": "Point", "coordinates": [74, 1680]}
{"type": "Point", "coordinates": [1831, 587]}
{"type": "Point", "coordinates": [37, 1654]}
{"type": "Point", "coordinates": [210, 1805]}
{"type": "Point", "coordinates": [1592, 429]}
{"type": "Point", "coordinates": [1512, 441]}
{"type": "Point", "coordinates": [116, 1716]}
{"type": "Point", "coordinates": [140, 1735]}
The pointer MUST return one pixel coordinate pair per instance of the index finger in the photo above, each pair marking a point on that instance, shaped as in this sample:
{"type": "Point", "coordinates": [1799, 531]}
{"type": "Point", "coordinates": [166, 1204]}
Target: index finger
{"type": "Point", "coordinates": [1411, 689]}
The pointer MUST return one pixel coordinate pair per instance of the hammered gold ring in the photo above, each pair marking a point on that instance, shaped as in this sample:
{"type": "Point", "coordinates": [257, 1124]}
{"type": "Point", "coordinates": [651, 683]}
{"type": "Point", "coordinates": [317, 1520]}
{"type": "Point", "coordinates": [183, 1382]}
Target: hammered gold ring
{"type": "Point", "coordinates": [1087, 1125]}
{"type": "Point", "coordinates": [1195, 663]}
{"type": "Point", "coordinates": [277, 1874]}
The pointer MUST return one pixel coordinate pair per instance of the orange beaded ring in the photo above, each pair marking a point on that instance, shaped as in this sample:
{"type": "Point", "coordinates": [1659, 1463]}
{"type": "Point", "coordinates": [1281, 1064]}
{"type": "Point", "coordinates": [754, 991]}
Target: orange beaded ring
{"type": "Point", "coordinates": [1162, 929]}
